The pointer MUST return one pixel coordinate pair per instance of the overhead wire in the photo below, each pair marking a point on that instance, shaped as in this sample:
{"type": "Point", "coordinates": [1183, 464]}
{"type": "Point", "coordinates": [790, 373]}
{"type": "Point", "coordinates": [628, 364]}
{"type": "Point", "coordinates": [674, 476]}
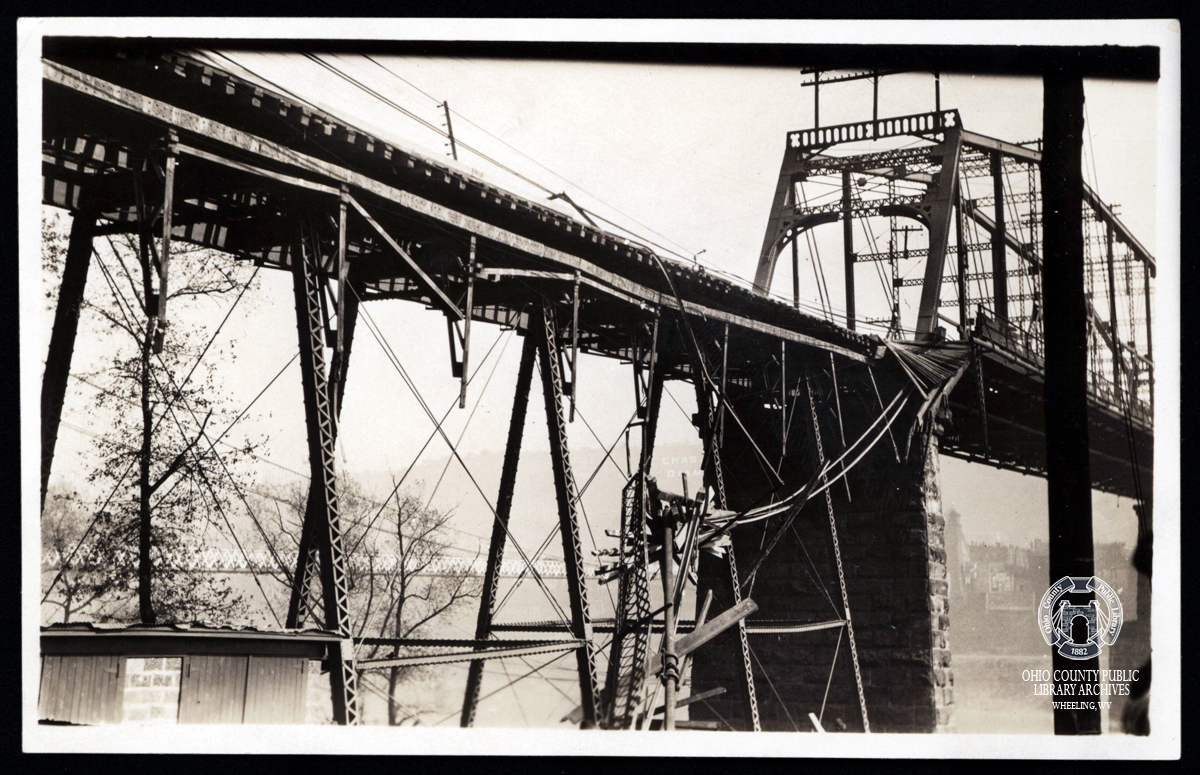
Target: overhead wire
{"type": "Point", "coordinates": [169, 410]}
{"type": "Point", "coordinates": [382, 341]}
{"type": "Point", "coordinates": [687, 251]}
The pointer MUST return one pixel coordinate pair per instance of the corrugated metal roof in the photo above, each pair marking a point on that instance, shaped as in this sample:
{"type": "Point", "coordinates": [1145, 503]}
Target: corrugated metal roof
{"type": "Point", "coordinates": [185, 628]}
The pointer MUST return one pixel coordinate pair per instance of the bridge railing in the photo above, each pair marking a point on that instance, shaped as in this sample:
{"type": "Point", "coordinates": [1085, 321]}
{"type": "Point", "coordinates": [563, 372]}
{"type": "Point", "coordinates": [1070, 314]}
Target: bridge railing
{"type": "Point", "coordinates": [1028, 345]}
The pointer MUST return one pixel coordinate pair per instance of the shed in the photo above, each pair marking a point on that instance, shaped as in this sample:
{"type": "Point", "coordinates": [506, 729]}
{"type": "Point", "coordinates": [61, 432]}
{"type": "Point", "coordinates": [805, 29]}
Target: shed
{"type": "Point", "coordinates": [187, 674]}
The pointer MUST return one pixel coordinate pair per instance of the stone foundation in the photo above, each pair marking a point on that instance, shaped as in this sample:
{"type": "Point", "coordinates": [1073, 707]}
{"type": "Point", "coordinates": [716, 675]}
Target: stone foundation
{"type": "Point", "coordinates": [891, 536]}
{"type": "Point", "coordinates": [152, 689]}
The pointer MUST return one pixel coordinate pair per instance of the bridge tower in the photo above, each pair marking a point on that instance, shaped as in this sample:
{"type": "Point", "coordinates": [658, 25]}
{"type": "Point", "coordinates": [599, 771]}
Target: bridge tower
{"type": "Point", "coordinates": [854, 623]}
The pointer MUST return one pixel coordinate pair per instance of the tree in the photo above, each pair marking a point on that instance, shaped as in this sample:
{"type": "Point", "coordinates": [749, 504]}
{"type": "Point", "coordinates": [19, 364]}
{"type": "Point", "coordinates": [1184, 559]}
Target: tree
{"type": "Point", "coordinates": [183, 486]}
{"type": "Point", "coordinates": [400, 584]}
{"type": "Point", "coordinates": [86, 581]}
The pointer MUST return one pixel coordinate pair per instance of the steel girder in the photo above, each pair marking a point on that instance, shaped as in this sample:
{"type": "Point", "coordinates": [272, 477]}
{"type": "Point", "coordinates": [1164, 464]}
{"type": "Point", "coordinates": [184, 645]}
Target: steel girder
{"type": "Point", "coordinates": [62, 336]}
{"type": "Point", "coordinates": [508, 478]}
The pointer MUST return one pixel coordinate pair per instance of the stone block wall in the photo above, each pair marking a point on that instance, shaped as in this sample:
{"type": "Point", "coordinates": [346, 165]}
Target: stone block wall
{"type": "Point", "coordinates": [892, 541]}
{"type": "Point", "coordinates": [152, 689]}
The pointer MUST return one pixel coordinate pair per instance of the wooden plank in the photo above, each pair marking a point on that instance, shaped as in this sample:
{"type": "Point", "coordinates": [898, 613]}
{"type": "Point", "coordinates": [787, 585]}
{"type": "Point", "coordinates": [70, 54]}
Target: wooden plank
{"type": "Point", "coordinates": [690, 642]}
{"type": "Point", "coordinates": [191, 122]}
{"type": "Point", "coordinates": [694, 698]}
{"type": "Point", "coordinates": [113, 685]}
{"type": "Point", "coordinates": [212, 689]}
{"type": "Point", "coordinates": [68, 688]}
{"type": "Point", "coordinates": [710, 726]}
{"type": "Point", "coordinates": [44, 686]}
{"type": "Point", "coordinates": [711, 629]}
{"type": "Point", "coordinates": [83, 674]}
{"type": "Point", "coordinates": [87, 693]}
{"type": "Point", "coordinates": [57, 710]}
{"type": "Point", "coordinates": [273, 690]}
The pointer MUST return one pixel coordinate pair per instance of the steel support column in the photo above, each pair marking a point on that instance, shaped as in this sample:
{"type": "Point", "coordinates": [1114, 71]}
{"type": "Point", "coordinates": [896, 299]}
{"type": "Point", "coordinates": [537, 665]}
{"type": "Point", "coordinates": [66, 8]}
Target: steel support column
{"type": "Point", "coordinates": [963, 328]}
{"type": "Point", "coordinates": [1068, 465]}
{"type": "Point", "coordinates": [999, 265]}
{"type": "Point", "coordinates": [796, 268]}
{"type": "Point", "coordinates": [508, 478]}
{"type": "Point", "coordinates": [714, 476]}
{"type": "Point", "coordinates": [631, 633]}
{"type": "Point", "coordinates": [306, 572]}
{"type": "Point", "coordinates": [326, 525]}
{"type": "Point", "coordinates": [1149, 331]}
{"type": "Point", "coordinates": [568, 497]}
{"type": "Point", "coordinates": [941, 196]}
{"type": "Point", "coordinates": [848, 247]}
{"type": "Point", "coordinates": [1112, 312]}
{"type": "Point", "coordinates": [62, 336]}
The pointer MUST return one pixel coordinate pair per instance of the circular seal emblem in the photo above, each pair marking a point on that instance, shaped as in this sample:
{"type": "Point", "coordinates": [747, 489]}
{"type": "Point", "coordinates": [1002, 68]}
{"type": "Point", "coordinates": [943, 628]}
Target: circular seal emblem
{"type": "Point", "coordinates": [1079, 631]}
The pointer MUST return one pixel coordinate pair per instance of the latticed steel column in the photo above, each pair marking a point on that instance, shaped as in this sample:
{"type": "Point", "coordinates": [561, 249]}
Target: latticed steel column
{"type": "Point", "coordinates": [631, 634]}
{"type": "Point", "coordinates": [326, 527]}
{"type": "Point", "coordinates": [568, 496]}
{"type": "Point", "coordinates": [706, 405]}
{"type": "Point", "coordinates": [508, 478]}
{"type": "Point", "coordinates": [306, 572]}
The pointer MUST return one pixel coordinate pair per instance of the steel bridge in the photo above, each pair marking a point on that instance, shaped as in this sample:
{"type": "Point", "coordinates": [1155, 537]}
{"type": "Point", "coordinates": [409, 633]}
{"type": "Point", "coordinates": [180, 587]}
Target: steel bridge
{"type": "Point", "coordinates": [166, 146]}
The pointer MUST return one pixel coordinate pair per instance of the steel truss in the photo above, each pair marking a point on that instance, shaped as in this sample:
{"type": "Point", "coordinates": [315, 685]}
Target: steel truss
{"type": "Point", "coordinates": [543, 340]}
{"type": "Point", "coordinates": [508, 478]}
{"type": "Point", "coordinates": [322, 518]}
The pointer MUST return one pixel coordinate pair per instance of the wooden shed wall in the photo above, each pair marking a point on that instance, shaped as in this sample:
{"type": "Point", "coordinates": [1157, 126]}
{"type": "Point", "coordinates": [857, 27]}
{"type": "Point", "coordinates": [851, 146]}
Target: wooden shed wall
{"type": "Point", "coordinates": [213, 689]}
{"type": "Point", "coordinates": [86, 689]}
{"type": "Point", "coordinates": [236, 689]}
{"type": "Point", "coordinates": [276, 690]}
{"type": "Point", "coordinates": [81, 684]}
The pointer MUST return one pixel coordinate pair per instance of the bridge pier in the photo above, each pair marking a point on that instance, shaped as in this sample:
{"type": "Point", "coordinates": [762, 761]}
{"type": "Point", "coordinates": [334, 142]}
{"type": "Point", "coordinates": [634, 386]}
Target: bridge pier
{"type": "Point", "coordinates": [891, 539]}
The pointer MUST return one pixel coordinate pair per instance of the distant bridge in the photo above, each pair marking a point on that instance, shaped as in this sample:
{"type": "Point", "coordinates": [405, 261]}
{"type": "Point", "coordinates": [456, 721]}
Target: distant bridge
{"type": "Point", "coordinates": [230, 560]}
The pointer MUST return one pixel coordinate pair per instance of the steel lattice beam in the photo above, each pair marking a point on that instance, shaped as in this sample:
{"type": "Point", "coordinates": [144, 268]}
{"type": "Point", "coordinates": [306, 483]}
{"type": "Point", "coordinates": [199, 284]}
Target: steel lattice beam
{"type": "Point", "coordinates": [568, 497]}
{"type": "Point", "coordinates": [325, 524]}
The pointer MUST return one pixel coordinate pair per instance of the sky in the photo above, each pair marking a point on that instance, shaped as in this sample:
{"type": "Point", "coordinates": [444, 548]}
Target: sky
{"type": "Point", "coordinates": [685, 156]}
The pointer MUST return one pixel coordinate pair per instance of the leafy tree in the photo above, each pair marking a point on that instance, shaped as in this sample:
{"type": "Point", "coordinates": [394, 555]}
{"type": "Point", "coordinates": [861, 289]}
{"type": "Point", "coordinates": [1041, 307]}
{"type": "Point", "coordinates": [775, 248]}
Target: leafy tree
{"type": "Point", "coordinates": [160, 484]}
{"type": "Point", "coordinates": [399, 583]}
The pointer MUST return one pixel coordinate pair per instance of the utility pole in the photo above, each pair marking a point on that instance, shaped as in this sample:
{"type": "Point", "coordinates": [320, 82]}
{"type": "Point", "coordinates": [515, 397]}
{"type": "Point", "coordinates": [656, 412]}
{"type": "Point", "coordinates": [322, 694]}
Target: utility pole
{"type": "Point", "coordinates": [848, 246]}
{"type": "Point", "coordinates": [1068, 470]}
{"type": "Point", "coordinates": [670, 659]}
{"type": "Point", "coordinates": [450, 131]}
